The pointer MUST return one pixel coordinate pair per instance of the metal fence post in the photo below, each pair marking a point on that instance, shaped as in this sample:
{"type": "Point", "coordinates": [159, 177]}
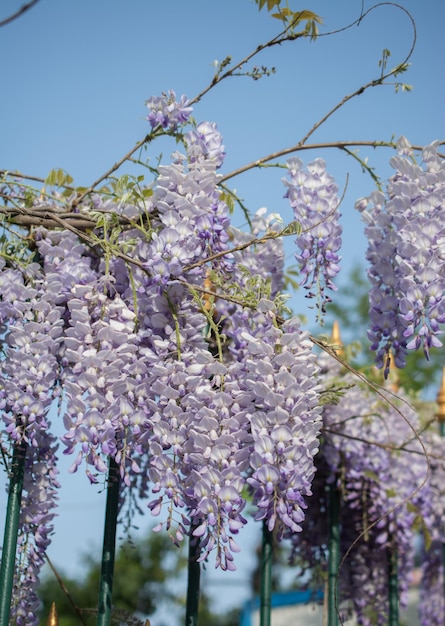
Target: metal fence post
{"type": "Point", "coordinates": [266, 576]}
{"type": "Point", "coordinates": [334, 553]}
{"type": "Point", "coordinates": [393, 588]}
{"type": "Point", "coordinates": [109, 546]}
{"type": "Point", "coordinates": [441, 418]}
{"type": "Point", "coordinates": [334, 518]}
{"type": "Point", "coordinates": [193, 580]}
{"type": "Point", "coordinates": [7, 568]}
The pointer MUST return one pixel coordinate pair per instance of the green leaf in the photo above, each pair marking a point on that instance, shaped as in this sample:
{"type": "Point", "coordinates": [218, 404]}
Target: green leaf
{"type": "Point", "coordinates": [58, 178]}
{"type": "Point", "coordinates": [285, 12]}
{"type": "Point", "coordinates": [294, 228]}
{"type": "Point", "coordinates": [372, 475]}
{"type": "Point", "coordinates": [50, 180]}
{"type": "Point", "coordinates": [427, 537]}
{"type": "Point", "coordinates": [229, 200]}
{"type": "Point", "coordinates": [270, 4]}
{"type": "Point", "coordinates": [391, 492]}
{"type": "Point", "coordinates": [307, 15]}
{"type": "Point", "coordinates": [403, 87]}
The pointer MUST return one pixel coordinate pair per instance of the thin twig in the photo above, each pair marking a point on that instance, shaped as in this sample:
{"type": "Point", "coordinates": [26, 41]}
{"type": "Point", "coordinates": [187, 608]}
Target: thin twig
{"type": "Point", "coordinates": [65, 591]}
{"type": "Point", "coordinates": [18, 13]}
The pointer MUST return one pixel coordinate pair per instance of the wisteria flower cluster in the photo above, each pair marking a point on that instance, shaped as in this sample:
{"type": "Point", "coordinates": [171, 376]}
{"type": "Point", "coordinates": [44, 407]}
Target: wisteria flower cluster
{"type": "Point", "coordinates": [167, 112]}
{"type": "Point", "coordinates": [313, 195]}
{"type": "Point", "coordinates": [163, 332]}
{"type": "Point", "coordinates": [30, 368]}
{"type": "Point", "coordinates": [405, 231]}
{"type": "Point", "coordinates": [164, 336]}
{"type": "Point", "coordinates": [374, 460]}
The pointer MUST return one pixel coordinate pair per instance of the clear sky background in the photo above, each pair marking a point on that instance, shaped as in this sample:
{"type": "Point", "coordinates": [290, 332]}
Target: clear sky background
{"type": "Point", "coordinates": [76, 75]}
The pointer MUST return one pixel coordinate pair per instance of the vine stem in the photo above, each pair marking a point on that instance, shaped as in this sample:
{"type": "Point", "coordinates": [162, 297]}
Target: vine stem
{"type": "Point", "coordinates": [65, 590]}
{"type": "Point", "coordinates": [339, 145]}
{"type": "Point", "coordinates": [18, 13]}
{"type": "Point", "coordinates": [7, 568]}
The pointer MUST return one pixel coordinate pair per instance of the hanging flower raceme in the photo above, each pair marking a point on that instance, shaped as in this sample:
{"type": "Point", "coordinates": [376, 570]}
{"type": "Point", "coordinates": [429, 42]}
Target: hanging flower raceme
{"type": "Point", "coordinates": [217, 428]}
{"type": "Point", "coordinates": [198, 453]}
{"type": "Point", "coordinates": [101, 347]}
{"type": "Point", "coordinates": [285, 423]}
{"type": "Point", "coordinates": [30, 373]}
{"type": "Point", "coordinates": [277, 376]}
{"type": "Point", "coordinates": [190, 222]}
{"type": "Point", "coordinates": [30, 365]}
{"type": "Point", "coordinates": [313, 195]}
{"type": "Point", "coordinates": [405, 230]}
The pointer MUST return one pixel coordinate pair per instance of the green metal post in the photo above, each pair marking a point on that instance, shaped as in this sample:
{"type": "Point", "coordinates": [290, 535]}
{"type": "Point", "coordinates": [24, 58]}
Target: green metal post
{"type": "Point", "coordinates": [334, 553]}
{"type": "Point", "coordinates": [441, 417]}
{"type": "Point", "coordinates": [193, 581]}
{"type": "Point", "coordinates": [266, 577]}
{"type": "Point", "coordinates": [109, 546]}
{"type": "Point", "coordinates": [11, 531]}
{"type": "Point", "coordinates": [393, 589]}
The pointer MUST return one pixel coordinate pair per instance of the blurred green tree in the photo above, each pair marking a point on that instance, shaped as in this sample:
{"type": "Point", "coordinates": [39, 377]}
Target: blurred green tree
{"type": "Point", "coordinates": [145, 579]}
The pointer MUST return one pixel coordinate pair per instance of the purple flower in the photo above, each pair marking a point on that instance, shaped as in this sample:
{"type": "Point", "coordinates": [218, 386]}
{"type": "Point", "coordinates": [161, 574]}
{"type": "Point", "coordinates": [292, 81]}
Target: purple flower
{"type": "Point", "coordinates": [37, 512]}
{"type": "Point", "coordinates": [370, 452]}
{"type": "Point", "coordinates": [205, 142]}
{"type": "Point", "coordinates": [167, 112]}
{"type": "Point", "coordinates": [405, 233]}
{"type": "Point", "coordinates": [313, 195]}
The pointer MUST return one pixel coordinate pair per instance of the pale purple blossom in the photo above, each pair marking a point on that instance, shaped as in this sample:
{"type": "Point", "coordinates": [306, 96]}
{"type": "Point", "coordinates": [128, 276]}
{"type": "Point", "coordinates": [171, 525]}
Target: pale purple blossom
{"type": "Point", "coordinates": [371, 453]}
{"type": "Point", "coordinates": [205, 142]}
{"type": "Point", "coordinates": [313, 195]}
{"type": "Point", "coordinates": [405, 231]}
{"type": "Point", "coordinates": [167, 112]}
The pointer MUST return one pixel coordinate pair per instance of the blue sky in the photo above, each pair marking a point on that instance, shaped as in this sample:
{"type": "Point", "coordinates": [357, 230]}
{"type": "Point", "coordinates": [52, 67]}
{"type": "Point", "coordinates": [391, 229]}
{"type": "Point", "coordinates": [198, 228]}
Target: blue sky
{"type": "Point", "coordinates": [76, 75]}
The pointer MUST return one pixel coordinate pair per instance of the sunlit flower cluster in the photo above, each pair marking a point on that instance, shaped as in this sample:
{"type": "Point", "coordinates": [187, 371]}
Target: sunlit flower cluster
{"type": "Point", "coordinates": [29, 384]}
{"type": "Point", "coordinates": [164, 332]}
{"type": "Point", "coordinates": [313, 195]}
{"type": "Point", "coordinates": [405, 231]}
{"type": "Point", "coordinates": [167, 112]}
